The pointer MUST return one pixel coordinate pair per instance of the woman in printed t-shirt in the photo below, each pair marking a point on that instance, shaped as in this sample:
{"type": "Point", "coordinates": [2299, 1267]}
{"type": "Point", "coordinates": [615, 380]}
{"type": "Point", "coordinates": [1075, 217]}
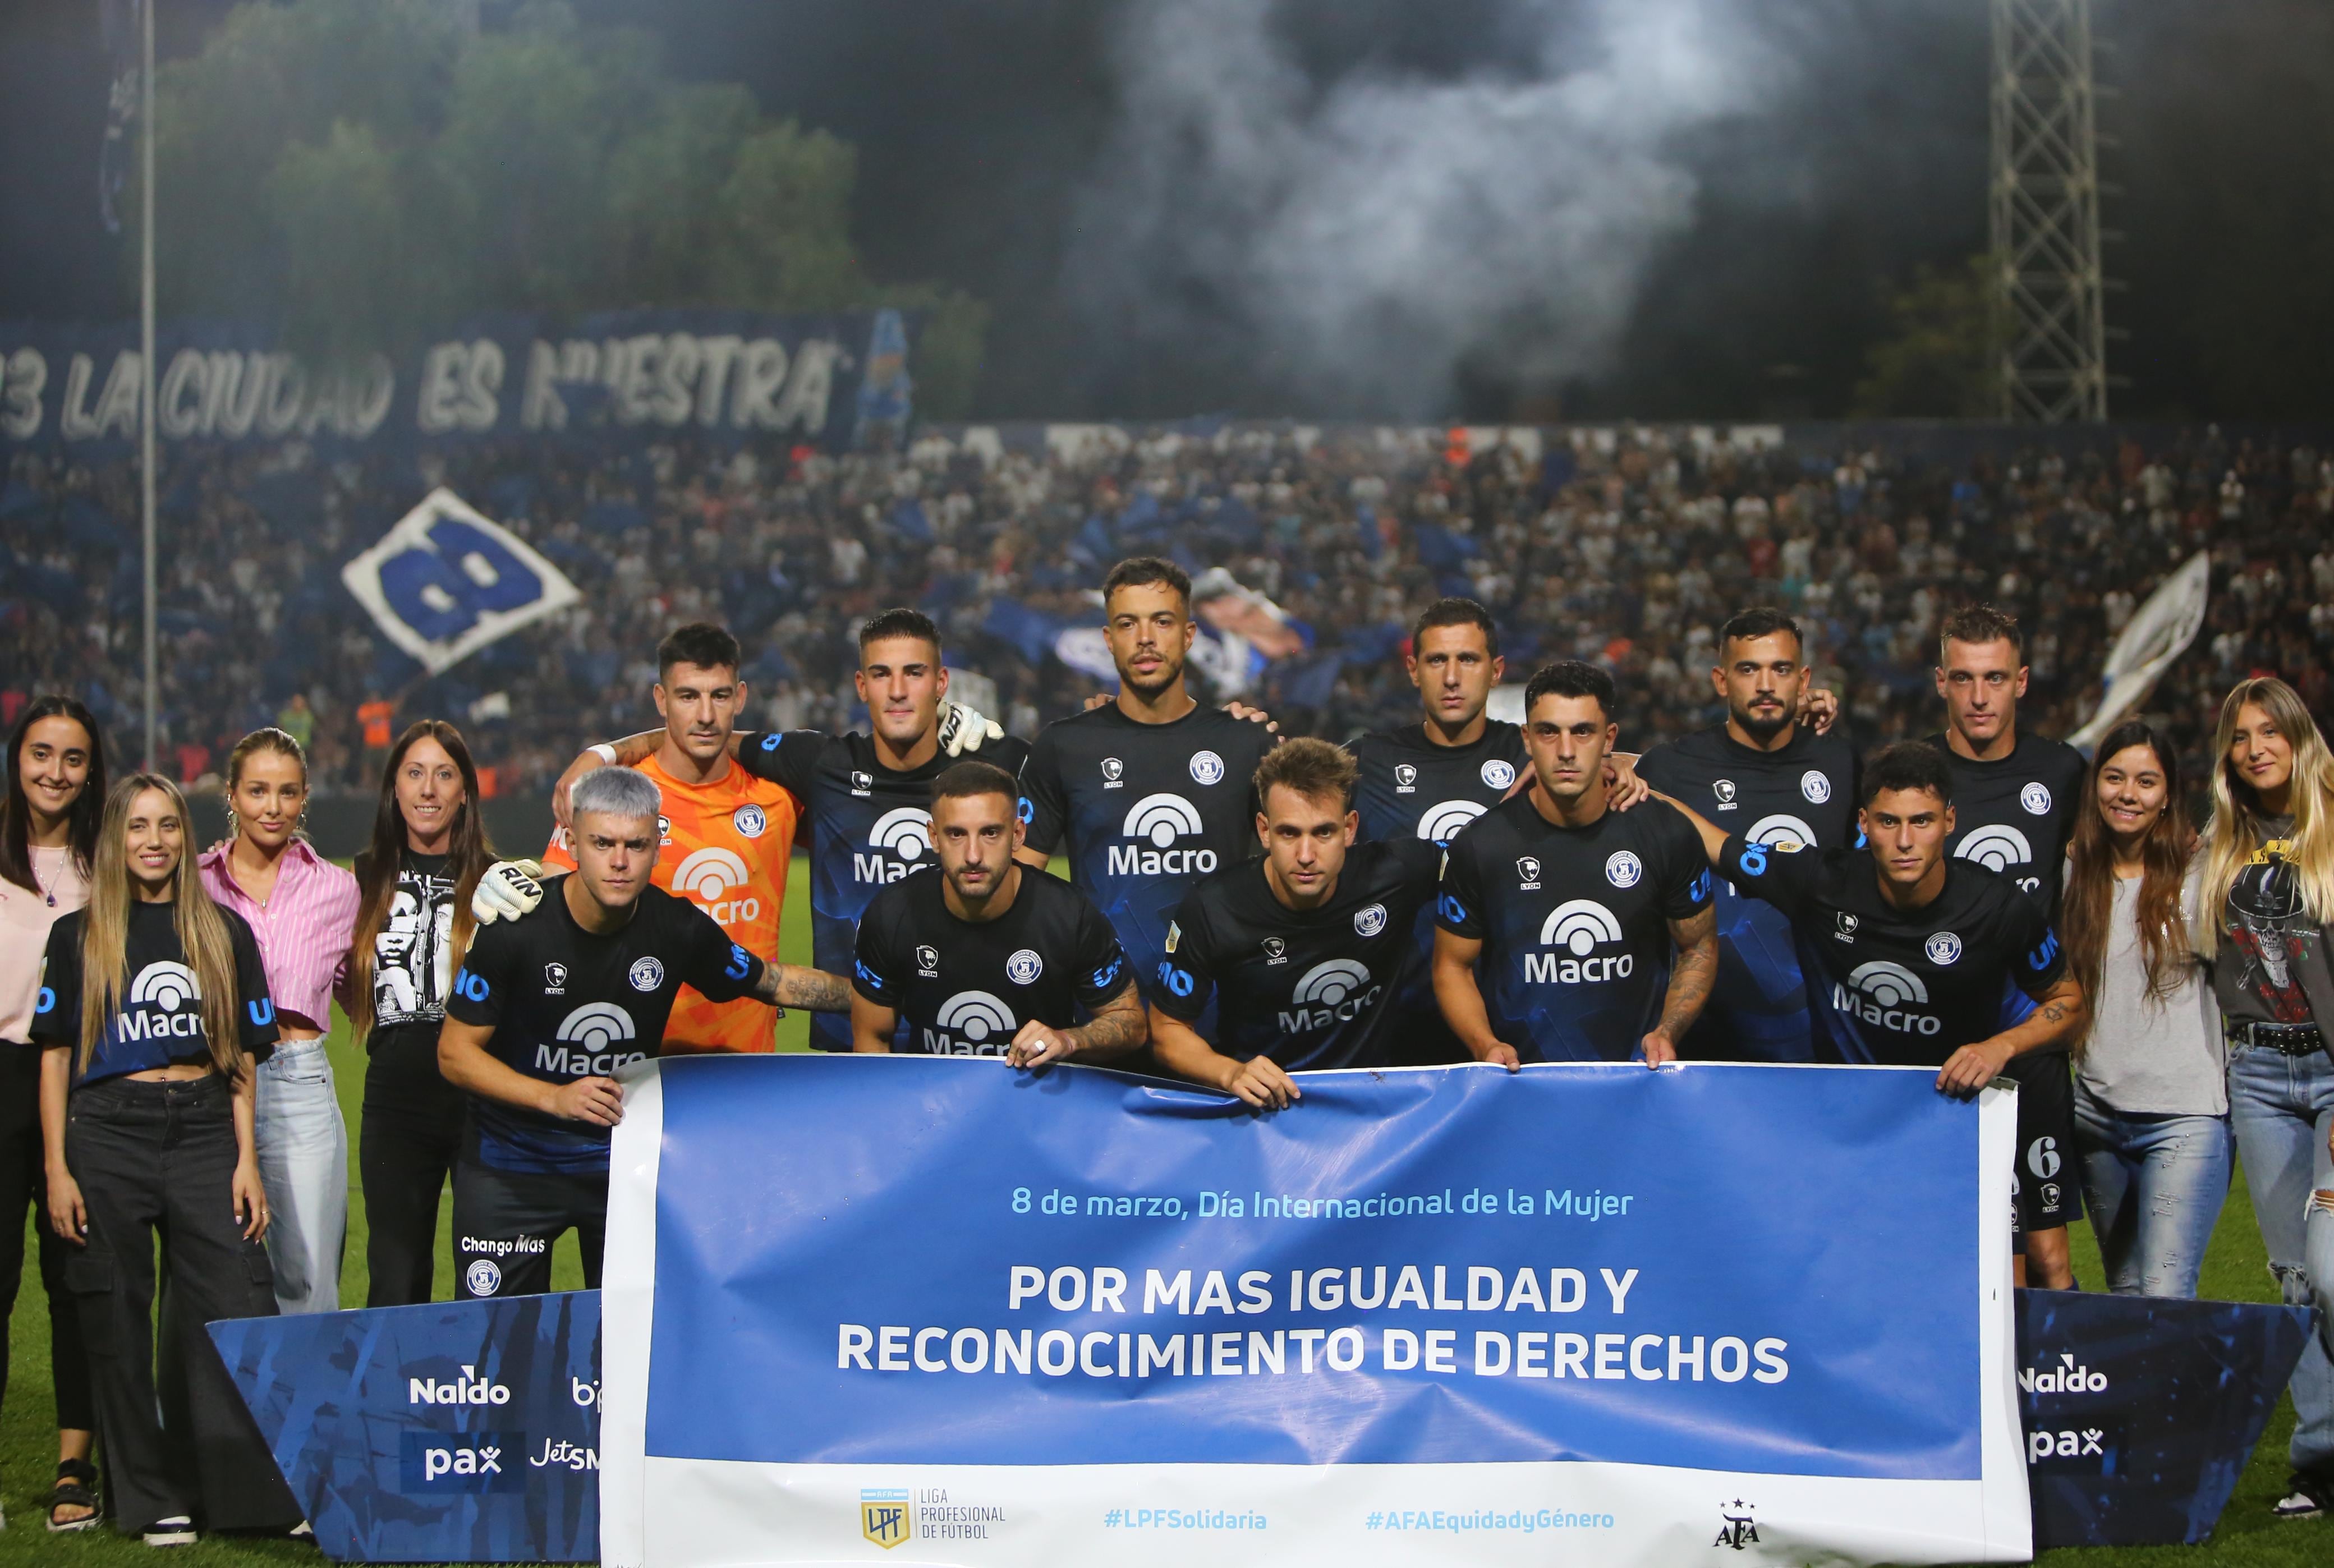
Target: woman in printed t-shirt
{"type": "Point", "coordinates": [152, 1010]}
{"type": "Point", "coordinates": [48, 837]}
{"type": "Point", "coordinates": [303, 909]}
{"type": "Point", "coordinates": [2268, 893]}
{"type": "Point", "coordinates": [414, 922]}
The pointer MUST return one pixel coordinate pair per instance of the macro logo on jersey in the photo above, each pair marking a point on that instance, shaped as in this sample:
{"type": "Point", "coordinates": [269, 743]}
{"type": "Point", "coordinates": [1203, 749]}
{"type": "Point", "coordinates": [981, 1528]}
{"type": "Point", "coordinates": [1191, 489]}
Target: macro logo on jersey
{"type": "Point", "coordinates": [1882, 992]}
{"type": "Point", "coordinates": [1155, 822]}
{"type": "Point", "coordinates": [1499, 774]}
{"type": "Point", "coordinates": [1441, 823]}
{"type": "Point", "coordinates": [1999, 846]}
{"type": "Point", "coordinates": [708, 875]}
{"type": "Point", "coordinates": [153, 1008]}
{"type": "Point", "coordinates": [1337, 991]}
{"type": "Point", "coordinates": [1782, 831]}
{"type": "Point", "coordinates": [900, 839]}
{"type": "Point", "coordinates": [971, 1024]}
{"type": "Point", "coordinates": [1576, 928]}
{"type": "Point", "coordinates": [590, 1038]}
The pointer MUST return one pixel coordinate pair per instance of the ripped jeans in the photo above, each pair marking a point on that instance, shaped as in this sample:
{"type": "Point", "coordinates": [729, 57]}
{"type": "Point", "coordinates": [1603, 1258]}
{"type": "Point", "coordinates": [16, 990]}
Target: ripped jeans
{"type": "Point", "coordinates": [2156, 1185]}
{"type": "Point", "coordinates": [2282, 1107]}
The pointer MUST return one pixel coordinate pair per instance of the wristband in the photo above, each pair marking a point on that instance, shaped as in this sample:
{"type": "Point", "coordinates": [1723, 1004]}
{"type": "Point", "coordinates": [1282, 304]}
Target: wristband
{"type": "Point", "coordinates": [606, 753]}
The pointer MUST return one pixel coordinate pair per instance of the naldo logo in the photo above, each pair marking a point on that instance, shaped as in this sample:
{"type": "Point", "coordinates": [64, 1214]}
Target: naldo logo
{"type": "Point", "coordinates": [2066, 1378]}
{"type": "Point", "coordinates": [470, 1389]}
{"type": "Point", "coordinates": [1576, 928]}
{"type": "Point", "coordinates": [971, 1024]}
{"type": "Point", "coordinates": [1155, 822]}
{"type": "Point", "coordinates": [1882, 992]}
{"type": "Point", "coordinates": [708, 876]}
{"type": "Point", "coordinates": [896, 845]}
{"type": "Point", "coordinates": [1337, 991]}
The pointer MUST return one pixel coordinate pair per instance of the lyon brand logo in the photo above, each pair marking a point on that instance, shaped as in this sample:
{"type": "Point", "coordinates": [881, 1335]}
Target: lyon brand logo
{"type": "Point", "coordinates": [884, 1514]}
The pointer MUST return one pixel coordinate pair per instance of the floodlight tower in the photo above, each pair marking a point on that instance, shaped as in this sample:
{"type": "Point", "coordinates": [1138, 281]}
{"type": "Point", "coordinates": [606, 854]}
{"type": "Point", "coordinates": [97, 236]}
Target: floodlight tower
{"type": "Point", "coordinates": [2046, 213]}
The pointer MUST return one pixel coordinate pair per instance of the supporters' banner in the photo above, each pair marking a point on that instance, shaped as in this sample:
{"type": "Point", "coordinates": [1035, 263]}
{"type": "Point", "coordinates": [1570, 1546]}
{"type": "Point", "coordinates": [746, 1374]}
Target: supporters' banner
{"type": "Point", "coordinates": [448, 580]}
{"type": "Point", "coordinates": [2141, 1413]}
{"type": "Point", "coordinates": [713, 373]}
{"type": "Point", "coordinates": [2159, 632]}
{"type": "Point", "coordinates": [463, 1432]}
{"type": "Point", "coordinates": [1599, 1314]}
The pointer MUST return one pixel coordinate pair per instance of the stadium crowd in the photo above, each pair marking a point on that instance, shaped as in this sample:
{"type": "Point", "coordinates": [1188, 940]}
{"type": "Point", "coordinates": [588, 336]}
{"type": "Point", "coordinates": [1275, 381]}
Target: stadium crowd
{"type": "Point", "coordinates": [1627, 552]}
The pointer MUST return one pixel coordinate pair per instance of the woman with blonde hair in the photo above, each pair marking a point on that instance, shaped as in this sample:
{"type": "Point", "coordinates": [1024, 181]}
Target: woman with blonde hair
{"type": "Point", "coordinates": [2268, 893]}
{"type": "Point", "coordinates": [152, 1010]}
{"type": "Point", "coordinates": [302, 910]}
{"type": "Point", "coordinates": [2151, 1082]}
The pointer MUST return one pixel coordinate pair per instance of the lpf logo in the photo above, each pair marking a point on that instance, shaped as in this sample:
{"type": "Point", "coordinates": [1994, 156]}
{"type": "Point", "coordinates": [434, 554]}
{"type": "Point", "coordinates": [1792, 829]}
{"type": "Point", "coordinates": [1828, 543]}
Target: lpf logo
{"type": "Point", "coordinates": [884, 1514]}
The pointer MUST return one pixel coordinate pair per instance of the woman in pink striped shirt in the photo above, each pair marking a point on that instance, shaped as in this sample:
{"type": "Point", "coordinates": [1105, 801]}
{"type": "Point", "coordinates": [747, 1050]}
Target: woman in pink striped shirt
{"type": "Point", "coordinates": [303, 908]}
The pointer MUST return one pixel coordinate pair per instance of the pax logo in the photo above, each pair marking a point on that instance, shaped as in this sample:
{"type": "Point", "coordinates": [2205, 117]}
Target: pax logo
{"type": "Point", "coordinates": [1576, 928]}
{"type": "Point", "coordinates": [971, 1024]}
{"type": "Point", "coordinates": [1884, 993]}
{"type": "Point", "coordinates": [2085, 1448]}
{"type": "Point", "coordinates": [592, 1039]}
{"type": "Point", "coordinates": [1441, 823]}
{"type": "Point", "coordinates": [708, 876]}
{"type": "Point", "coordinates": [160, 1004]}
{"type": "Point", "coordinates": [1337, 991]}
{"type": "Point", "coordinates": [896, 845]}
{"type": "Point", "coordinates": [1154, 823]}
{"type": "Point", "coordinates": [461, 1462]}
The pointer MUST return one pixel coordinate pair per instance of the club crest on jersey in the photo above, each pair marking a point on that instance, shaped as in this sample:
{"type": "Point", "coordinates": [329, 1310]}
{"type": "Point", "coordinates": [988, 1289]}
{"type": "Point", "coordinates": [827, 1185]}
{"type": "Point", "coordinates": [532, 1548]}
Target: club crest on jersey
{"type": "Point", "coordinates": [1724, 790]}
{"type": "Point", "coordinates": [1114, 773]}
{"type": "Point", "coordinates": [555, 979]}
{"type": "Point", "coordinates": [1943, 948]}
{"type": "Point", "coordinates": [1406, 778]}
{"type": "Point", "coordinates": [1276, 951]}
{"type": "Point", "coordinates": [2036, 799]}
{"type": "Point", "coordinates": [646, 974]}
{"type": "Point", "coordinates": [1024, 966]}
{"type": "Point", "coordinates": [1623, 868]}
{"type": "Point", "coordinates": [749, 820]}
{"type": "Point", "coordinates": [928, 961]}
{"type": "Point", "coordinates": [862, 783]}
{"type": "Point", "coordinates": [484, 1276]}
{"type": "Point", "coordinates": [1528, 872]}
{"type": "Point", "coordinates": [1370, 921]}
{"type": "Point", "coordinates": [1815, 785]}
{"type": "Point", "coordinates": [1499, 774]}
{"type": "Point", "coordinates": [1207, 767]}
{"type": "Point", "coordinates": [1843, 927]}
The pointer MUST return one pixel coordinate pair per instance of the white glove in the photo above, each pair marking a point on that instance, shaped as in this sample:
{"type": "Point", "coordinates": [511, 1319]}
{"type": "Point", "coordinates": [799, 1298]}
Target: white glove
{"type": "Point", "coordinates": [964, 729]}
{"type": "Point", "coordinates": [509, 889]}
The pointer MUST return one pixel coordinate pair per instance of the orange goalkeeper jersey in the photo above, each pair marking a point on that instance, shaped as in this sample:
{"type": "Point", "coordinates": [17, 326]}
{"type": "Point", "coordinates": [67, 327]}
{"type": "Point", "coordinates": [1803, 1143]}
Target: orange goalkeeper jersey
{"type": "Point", "coordinates": [726, 847]}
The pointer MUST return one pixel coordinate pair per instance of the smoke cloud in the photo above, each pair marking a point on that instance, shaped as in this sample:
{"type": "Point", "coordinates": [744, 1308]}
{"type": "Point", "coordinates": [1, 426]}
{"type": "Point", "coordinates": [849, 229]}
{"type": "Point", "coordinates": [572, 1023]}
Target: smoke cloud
{"type": "Point", "coordinates": [1357, 241]}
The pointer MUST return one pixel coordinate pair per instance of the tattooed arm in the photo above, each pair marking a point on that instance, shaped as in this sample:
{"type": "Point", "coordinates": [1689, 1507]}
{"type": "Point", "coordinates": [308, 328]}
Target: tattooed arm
{"type": "Point", "coordinates": [1691, 978]}
{"type": "Point", "coordinates": [1118, 1026]}
{"type": "Point", "coordinates": [2059, 1016]}
{"type": "Point", "coordinates": [786, 986]}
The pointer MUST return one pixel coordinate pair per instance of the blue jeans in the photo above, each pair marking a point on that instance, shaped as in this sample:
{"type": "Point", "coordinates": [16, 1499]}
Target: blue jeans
{"type": "Point", "coordinates": [2282, 1107]}
{"type": "Point", "coordinates": [2156, 1185]}
{"type": "Point", "coordinates": [302, 1145]}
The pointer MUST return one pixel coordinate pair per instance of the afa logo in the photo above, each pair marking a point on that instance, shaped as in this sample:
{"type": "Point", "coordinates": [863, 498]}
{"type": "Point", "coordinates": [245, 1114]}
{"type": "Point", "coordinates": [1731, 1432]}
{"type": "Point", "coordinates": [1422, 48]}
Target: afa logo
{"type": "Point", "coordinates": [750, 820]}
{"type": "Point", "coordinates": [1370, 921]}
{"type": "Point", "coordinates": [1576, 928]}
{"type": "Point", "coordinates": [1024, 966]}
{"type": "Point", "coordinates": [971, 1024]}
{"type": "Point", "coordinates": [1335, 991]}
{"type": "Point", "coordinates": [2036, 799]}
{"type": "Point", "coordinates": [708, 876]}
{"type": "Point", "coordinates": [1155, 821]}
{"type": "Point", "coordinates": [1943, 948]}
{"type": "Point", "coordinates": [884, 1514]}
{"type": "Point", "coordinates": [1207, 768]}
{"type": "Point", "coordinates": [896, 845]}
{"type": "Point", "coordinates": [1499, 774]}
{"type": "Point", "coordinates": [1441, 823]}
{"type": "Point", "coordinates": [1882, 992]}
{"type": "Point", "coordinates": [646, 974]}
{"type": "Point", "coordinates": [1815, 785]}
{"type": "Point", "coordinates": [1623, 868]}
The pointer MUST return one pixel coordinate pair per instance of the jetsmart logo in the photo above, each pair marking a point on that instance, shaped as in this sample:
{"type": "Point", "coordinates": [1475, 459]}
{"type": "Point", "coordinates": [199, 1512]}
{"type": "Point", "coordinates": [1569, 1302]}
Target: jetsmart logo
{"type": "Point", "coordinates": [152, 1009]}
{"type": "Point", "coordinates": [2066, 1378]}
{"type": "Point", "coordinates": [470, 1389]}
{"type": "Point", "coordinates": [590, 1033]}
{"type": "Point", "coordinates": [1157, 821]}
{"type": "Point", "coordinates": [1337, 991]}
{"type": "Point", "coordinates": [1577, 929]}
{"type": "Point", "coordinates": [1880, 992]}
{"type": "Point", "coordinates": [971, 1024]}
{"type": "Point", "coordinates": [1441, 823]}
{"type": "Point", "coordinates": [708, 875]}
{"type": "Point", "coordinates": [901, 838]}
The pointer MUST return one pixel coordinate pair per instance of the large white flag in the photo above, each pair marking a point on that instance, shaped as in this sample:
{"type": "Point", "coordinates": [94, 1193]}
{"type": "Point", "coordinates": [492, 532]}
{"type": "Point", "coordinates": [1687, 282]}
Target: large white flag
{"type": "Point", "coordinates": [448, 580]}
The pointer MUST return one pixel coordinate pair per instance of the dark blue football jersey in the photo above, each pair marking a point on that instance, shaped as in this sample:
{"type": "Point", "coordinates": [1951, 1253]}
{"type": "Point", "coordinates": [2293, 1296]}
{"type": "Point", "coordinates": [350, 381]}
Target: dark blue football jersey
{"type": "Point", "coordinates": [1406, 786]}
{"type": "Point", "coordinates": [1573, 923]}
{"type": "Point", "coordinates": [1310, 988]}
{"type": "Point", "coordinates": [2017, 815]}
{"type": "Point", "coordinates": [869, 826]}
{"type": "Point", "coordinates": [1143, 810]}
{"type": "Point", "coordinates": [1908, 987]}
{"type": "Point", "coordinates": [1804, 794]}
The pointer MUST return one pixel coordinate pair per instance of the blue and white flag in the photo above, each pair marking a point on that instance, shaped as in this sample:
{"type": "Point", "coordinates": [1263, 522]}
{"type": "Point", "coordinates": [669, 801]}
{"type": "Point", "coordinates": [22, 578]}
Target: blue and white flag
{"type": "Point", "coordinates": [448, 580]}
{"type": "Point", "coordinates": [922, 1310]}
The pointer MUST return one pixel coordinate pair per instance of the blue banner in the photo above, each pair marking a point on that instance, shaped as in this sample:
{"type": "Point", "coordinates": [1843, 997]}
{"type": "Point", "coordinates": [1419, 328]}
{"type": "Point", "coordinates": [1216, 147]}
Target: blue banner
{"type": "Point", "coordinates": [464, 1432]}
{"type": "Point", "coordinates": [1078, 1310]}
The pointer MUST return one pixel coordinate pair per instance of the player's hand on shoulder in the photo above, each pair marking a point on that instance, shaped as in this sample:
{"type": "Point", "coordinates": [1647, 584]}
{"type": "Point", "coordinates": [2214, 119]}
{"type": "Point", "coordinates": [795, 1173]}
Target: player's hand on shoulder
{"type": "Point", "coordinates": [1263, 1083]}
{"type": "Point", "coordinates": [1036, 1045]}
{"type": "Point", "coordinates": [508, 890]}
{"type": "Point", "coordinates": [1623, 787]}
{"type": "Point", "coordinates": [585, 762]}
{"type": "Point", "coordinates": [598, 1100]}
{"type": "Point", "coordinates": [965, 729]}
{"type": "Point", "coordinates": [1972, 1068]}
{"type": "Point", "coordinates": [1819, 705]}
{"type": "Point", "coordinates": [1254, 716]}
{"type": "Point", "coordinates": [1099, 699]}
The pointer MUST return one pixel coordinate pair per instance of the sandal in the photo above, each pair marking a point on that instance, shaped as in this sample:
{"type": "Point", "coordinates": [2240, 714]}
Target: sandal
{"type": "Point", "coordinates": [76, 1489]}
